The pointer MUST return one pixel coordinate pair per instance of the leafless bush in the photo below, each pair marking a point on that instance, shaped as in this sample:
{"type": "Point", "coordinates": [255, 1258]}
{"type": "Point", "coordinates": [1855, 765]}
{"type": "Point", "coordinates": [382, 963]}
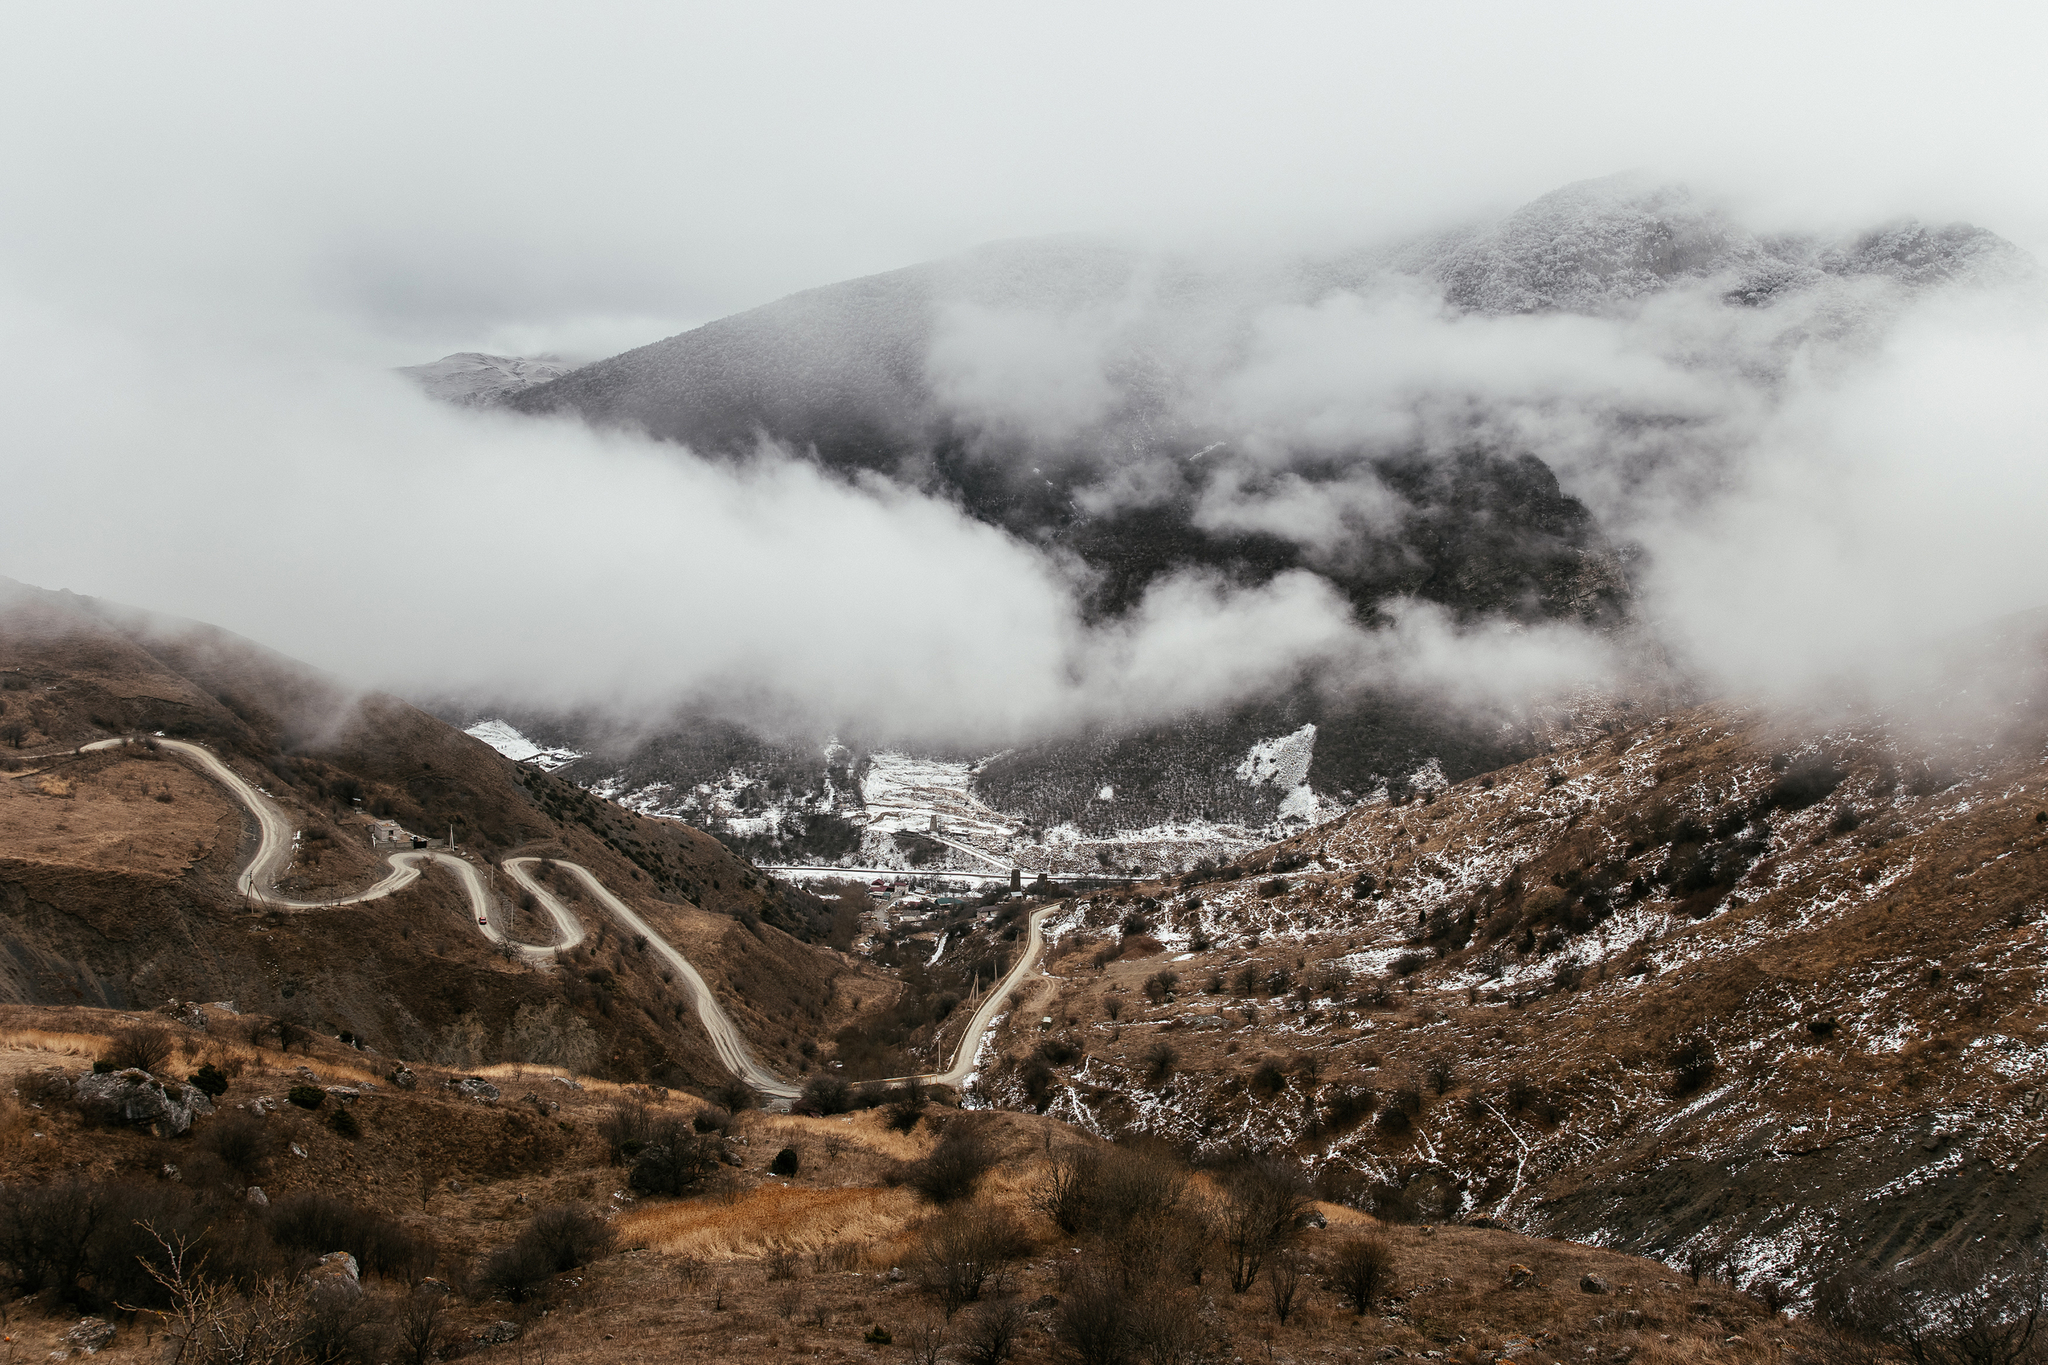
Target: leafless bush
{"type": "Point", "coordinates": [1361, 1270]}
{"type": "Point", "coordinates": [953, 1168]}
{"type": "Point", "coordinates": [781, 1262]}
{"type": "Point", "coordinates": [45, 1087]}
{"type": "Point", "coordinates": [1283, 1282]}
{"type": "Point", "coordinates": [624, 1127]}
{"type": "Point", "coordinates": [1969, 1308]}
{"type": "Point", "coordinates": [1263, 1201]}
{"type": "Point", "coordinates": [992, 1333]}
{"type": "Point", "coordinates": [242, 1142]}
{"type": "Point", "coordinates": [145, 1047]}
{"type": "Point", "coordinates": [1093, 1322]}
{"type": "Point", "coordinates": [209, 1323]}
{"type": "Point", "coordinates": [925, 1341]}
{"type": "Point", "coordinates": [965, 1252]}
{"type": "Point", "coordinates": [422, 1329]}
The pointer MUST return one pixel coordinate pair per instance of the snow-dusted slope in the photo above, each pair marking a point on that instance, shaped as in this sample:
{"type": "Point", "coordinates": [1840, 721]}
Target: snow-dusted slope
{"type": "Point", "coordinates": [472, 378]}
{"type": "Point", "coordinates": [500, 735]}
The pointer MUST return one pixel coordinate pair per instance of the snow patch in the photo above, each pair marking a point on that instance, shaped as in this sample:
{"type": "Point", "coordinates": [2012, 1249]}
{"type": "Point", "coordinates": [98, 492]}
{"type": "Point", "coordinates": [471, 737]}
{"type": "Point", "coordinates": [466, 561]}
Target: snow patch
{"type": "Point", "coordinates": [1282, 761]}
{"type": "Point", "coordinates": [500, 735]}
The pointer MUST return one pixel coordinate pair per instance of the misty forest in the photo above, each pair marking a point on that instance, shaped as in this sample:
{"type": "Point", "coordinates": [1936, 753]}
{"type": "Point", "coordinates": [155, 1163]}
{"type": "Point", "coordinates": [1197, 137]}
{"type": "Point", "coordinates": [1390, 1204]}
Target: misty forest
{"type": "Point", "coordinates": [1123, 687]}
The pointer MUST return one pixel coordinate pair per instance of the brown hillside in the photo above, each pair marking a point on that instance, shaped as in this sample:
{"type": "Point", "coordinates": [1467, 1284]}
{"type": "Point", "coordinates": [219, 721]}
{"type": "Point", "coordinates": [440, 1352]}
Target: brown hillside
{"type": "Point", "coordinates": [754, 1265]}
{"type": "Point", "coordinates": [113, 895]}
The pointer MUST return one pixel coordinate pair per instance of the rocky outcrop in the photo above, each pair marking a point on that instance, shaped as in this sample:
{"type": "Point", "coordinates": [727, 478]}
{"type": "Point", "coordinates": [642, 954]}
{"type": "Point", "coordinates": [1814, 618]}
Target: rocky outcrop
{"type": "Point", "coordinates": [138, 1098]}
{"type": "Point", "coordinates": [472, 1088]}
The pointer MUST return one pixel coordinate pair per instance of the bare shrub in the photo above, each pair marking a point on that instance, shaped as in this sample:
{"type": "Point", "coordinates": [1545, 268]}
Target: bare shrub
{"type": "Point", "coordinates": [964, 1252]}
{"type": "Point", "coordinates": [1283, 1282]}
{"type": "Point", "coordinates": [558, 1238]}
{"type": "Point", "coordinates": [993, 1333]}
{"type": "Point", "coordinates": [209, 1323]}
{"type": "Point", "coordinates": [1263, 1202]}
{"type": "Point", "coordinates": [242, 1142]}
{"type": "Point", "coordinates": [1692, 1065]}
{"type": "Point", "coordinates": [925, 1341]}
{"type": "Point", "coordinates": [517, 1272]}
{"type": "Point", "coordinates": [1093, 1322]}
{"type": "Point", "coordinates": [314, 1223]}
{"type": "Point", "coordinates": [675, 1161]}
{"type": "Point", "coordinates": [1361, 1270]}
{"type": "Point", "coordinates": [145, 1047]}
{"type": "Point", "coordinates": [1949, 1308]}
{"type": "Point", "coordinates": [954, 1168]}
{"type": "Point", "coordinates": [422, 1330]}
{"type": "Point", "coordinates": [734, 1096]}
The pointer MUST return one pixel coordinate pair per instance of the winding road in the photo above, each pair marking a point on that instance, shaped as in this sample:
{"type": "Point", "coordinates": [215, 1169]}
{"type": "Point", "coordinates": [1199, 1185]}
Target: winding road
{"type": "Point", "coordinates": [273, 857]}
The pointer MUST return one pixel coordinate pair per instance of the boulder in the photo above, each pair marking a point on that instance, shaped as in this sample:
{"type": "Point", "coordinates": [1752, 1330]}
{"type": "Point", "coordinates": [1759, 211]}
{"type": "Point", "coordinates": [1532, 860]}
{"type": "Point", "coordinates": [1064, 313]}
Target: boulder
{"type": "Point", "coordinates": [1521, 1277]}
{"type": "Point", "coordinates": [257, 1197]}
{"type": "Point", "coordinates": [90, 1335]}
{"type": "Point", "coordinates": [472, 1088]}
{"type": "Point", "coordinates": [404, 1079]}
{"type": "Point", "coordinates": [564, 1080]}
{"type": "Point", "coordinates": [1590, 1283]}
{"type": "Point", "coordinates": [144, 1101]}
{"type": "Point", "coordinates": [335, 1277]}
{"type": "Point", "coordinates": [186, 1012]}
{"type": "Point", "coordinates": [497, 1334]}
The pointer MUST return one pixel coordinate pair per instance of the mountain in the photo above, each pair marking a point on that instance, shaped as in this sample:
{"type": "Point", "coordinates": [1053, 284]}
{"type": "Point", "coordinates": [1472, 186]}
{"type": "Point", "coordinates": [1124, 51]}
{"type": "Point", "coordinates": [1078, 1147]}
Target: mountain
{"type": "Point", "coordinates": [118, 867]}
{"type": "Point", "coordinates": [1115, 407]}
{"type": "Point", "coordinates": [1602, 245]}
{"type": "Point", "coordinates": [473, 379]}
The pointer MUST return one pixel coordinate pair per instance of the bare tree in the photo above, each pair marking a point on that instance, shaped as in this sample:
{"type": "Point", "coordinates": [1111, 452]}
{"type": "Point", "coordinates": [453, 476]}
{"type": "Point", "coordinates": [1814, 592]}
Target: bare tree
{"type": "Point", "coordinates": [1283, 1282]}
{"type": "Point", "coordinates": [1361, 1270]}
{"type": "Point", "coordinates": [993, 1332]}
{"type": "Point", "coordinates": [1263, 1201]}
{"type": "Point", "coordinates": [1971, 1308]}
{"type": "Point", "coordinates": [210, 1324]}
{"type": "Point", "coordinates": [924, 1341]}
{"type": "Point", "coordinates": [422, 1326]}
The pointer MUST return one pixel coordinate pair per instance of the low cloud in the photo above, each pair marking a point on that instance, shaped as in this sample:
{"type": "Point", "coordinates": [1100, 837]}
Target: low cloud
{"type": "Point", "coordinates": [346, 520]}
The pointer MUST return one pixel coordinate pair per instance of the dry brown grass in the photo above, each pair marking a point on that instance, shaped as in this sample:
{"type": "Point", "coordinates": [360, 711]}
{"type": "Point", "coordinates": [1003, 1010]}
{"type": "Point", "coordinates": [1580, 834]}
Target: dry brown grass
{"type": "Point", "coordinates": [103, 812]}
{"type": "Point", "coordinates": [804, 1220]}
{"type": "Point", "coordinates": [52, 1043]}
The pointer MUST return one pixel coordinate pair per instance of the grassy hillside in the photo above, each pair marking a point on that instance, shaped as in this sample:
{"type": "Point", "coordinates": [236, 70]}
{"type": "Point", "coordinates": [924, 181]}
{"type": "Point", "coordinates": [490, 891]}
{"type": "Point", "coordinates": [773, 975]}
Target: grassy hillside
{"type": "Point", "coordinates": [117, 868]}
{"type": "Point", "coordinates": [814, 1237]}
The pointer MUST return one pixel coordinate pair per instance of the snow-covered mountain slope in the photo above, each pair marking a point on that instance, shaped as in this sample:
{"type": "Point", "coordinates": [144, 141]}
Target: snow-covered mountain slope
{"type": "Point", "coordinates": [507, 740]}
{"type": "Point", "coordinates": [1198, 452]}
{"type": "Point", "coordinates": [1601, 245]}
{"type": "Point", "coordinates": [1760, 988]}
{"type": "Point", "coordinates": [471, 378]}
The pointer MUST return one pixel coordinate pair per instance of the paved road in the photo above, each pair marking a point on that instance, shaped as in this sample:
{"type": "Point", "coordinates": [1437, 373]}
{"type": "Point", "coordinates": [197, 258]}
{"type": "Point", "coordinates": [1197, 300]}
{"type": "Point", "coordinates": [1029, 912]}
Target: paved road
{"type": "Point", "coordinates": [273, 856]}
{"type": "Point", "coordinates": [992, 1006]}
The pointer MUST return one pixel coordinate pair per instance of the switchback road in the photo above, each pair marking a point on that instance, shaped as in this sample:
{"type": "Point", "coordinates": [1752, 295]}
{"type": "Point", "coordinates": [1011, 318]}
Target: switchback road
{"type": "Point", "coordinates": [273, 856]}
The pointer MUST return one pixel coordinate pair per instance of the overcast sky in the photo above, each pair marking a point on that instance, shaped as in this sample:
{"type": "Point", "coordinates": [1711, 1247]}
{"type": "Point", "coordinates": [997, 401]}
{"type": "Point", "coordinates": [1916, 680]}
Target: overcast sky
{"type": "Point", "coordinates": [398, 181]}
{"type": "Point", "coordinates": [220, 225]}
